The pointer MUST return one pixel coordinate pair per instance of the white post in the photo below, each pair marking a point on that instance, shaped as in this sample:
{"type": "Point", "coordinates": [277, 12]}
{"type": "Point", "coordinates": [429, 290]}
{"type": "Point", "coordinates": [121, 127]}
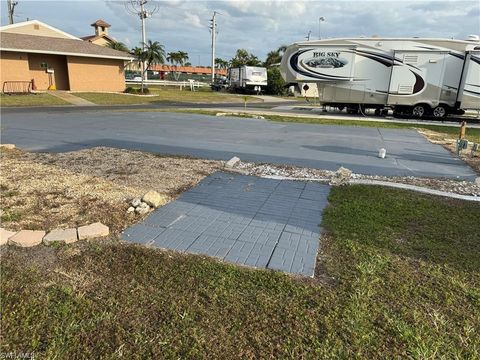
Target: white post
{"type": "Point", "coordinates": [320, 19]}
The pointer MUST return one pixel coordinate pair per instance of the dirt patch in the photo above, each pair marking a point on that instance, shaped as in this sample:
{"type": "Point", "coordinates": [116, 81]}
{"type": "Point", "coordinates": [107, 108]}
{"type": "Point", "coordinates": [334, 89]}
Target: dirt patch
{"type": "Point", "coordinates": [46, 191]}
{"type": "Point", "coordinates": [450, 144]}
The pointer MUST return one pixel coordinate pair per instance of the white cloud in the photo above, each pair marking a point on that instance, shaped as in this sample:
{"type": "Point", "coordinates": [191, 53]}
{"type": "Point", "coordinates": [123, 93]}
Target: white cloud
{"type": "Point", "coordinates": [192, 20]}
{"type": "Point", "coordinates": [258, 26]}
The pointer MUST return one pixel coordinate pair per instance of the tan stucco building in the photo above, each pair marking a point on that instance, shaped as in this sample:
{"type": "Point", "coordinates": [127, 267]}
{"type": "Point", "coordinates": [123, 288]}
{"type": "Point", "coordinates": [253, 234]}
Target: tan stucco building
{"type": "Point", "coordinates": [47, 57]}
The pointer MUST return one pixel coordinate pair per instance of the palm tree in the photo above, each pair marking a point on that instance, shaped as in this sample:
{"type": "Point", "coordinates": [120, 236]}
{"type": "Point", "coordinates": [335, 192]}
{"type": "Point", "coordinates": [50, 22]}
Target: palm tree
{"type": "Point", "coordinates": [222, 64]}
{"type": "Point", "coordinates": [275, 56]}
{"type": "Point", "coordinates": [153, 54]}
{"type": "Point", "coordinates": [117, 45]}
{"type": "Point", "coordinates": [177, 58]}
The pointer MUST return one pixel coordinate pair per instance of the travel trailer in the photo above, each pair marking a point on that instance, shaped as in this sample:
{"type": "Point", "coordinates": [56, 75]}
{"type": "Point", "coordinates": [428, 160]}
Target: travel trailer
{"type": "Point", "coordinates": [247, 78]}
{"type": "Point", "coordinates": [414, 76]}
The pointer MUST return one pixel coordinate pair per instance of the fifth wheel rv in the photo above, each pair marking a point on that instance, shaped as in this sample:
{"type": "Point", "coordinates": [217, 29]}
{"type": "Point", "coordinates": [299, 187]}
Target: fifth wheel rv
{"type": "Point", "coordinates": [419, 77]}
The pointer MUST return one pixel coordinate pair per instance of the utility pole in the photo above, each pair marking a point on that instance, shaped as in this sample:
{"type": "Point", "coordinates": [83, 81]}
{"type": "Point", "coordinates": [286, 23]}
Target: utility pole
{"type": "Point", "coordinates": [143, 16]}
{"type": "Point", "coordinates": [213, 27]}
{"type": "Point", "coordinates": [11, 9]}
{"type": "Point", "coordinates": [140, 8]}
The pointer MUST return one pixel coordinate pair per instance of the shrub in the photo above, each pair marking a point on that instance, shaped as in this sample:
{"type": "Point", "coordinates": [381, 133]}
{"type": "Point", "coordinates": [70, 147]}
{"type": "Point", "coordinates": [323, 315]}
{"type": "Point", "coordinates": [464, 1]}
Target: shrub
{"type": "Point", "coordinates": [275, 82]}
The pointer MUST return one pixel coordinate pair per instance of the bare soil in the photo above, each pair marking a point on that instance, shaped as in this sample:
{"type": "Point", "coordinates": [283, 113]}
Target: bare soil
{"type": "Point", "coordinates": [50, 190]}
{"type": "Point", "coordinates": [449, 143]}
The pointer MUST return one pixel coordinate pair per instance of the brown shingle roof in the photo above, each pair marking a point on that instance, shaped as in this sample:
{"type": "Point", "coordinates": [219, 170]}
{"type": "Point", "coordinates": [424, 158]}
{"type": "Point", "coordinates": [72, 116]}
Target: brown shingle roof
{"type": "Point", "coordinates": [101, 22]}
{"type": "Point", "coordinates": [92, 38]}
{"type": "Point", "coordinates": [50, 45]}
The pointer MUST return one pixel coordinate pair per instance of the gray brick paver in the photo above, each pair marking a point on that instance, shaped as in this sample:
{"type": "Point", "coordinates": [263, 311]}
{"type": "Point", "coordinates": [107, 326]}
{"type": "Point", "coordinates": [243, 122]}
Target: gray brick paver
{"type": "Point", "coordinates": [242, 219]}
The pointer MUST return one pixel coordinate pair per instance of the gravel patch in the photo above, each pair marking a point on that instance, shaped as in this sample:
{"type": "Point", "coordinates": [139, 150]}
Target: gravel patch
{"type": "Point", "coordinates": [457, 187]}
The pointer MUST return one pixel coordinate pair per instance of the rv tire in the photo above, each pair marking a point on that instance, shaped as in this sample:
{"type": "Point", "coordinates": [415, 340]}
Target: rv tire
{"type": "Point", "coordinates": [418, 111]}
{"type": "Point", "coordinates": [439, 112]}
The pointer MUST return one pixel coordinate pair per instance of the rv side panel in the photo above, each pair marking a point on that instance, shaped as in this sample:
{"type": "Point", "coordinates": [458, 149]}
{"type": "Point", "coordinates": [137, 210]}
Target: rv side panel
{"type": "Point", "coordinates": [469, 96]}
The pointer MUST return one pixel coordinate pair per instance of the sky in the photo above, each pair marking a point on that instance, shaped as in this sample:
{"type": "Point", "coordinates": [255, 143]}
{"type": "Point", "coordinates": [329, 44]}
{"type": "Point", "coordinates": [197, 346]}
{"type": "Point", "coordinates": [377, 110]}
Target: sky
{"type": "Point", "coordinates": [258, 26]}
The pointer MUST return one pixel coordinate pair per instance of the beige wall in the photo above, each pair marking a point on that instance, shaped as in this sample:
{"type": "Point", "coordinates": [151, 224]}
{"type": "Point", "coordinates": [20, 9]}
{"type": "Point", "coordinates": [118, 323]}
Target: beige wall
{"type": "Point", "coordinates": [93, 74]}
{"type": "Point", "coordinates": [42, 79]}
{"type": "Point", "coordinates": [36, 29]}
{"type": "Point", "coordinates": [101, 41]}
{"type": "Point", "coordinates": [14, 67]}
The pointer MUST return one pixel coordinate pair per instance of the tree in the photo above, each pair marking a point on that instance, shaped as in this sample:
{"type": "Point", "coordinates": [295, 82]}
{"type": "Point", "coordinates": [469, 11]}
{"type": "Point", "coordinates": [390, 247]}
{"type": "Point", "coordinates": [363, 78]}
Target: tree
{"type": "Point", "coordinates": [243, 57]}
{"type": "Point", "coordinates": [275, 56]}
{"type": "Point", "coordinates": [177, 58]}
{"type": "Point", "coordinates": [117, 45]}
{"type": "Point", "coordinates": [275, 82]}
{"type": "Point", "coordinates": [221, 64]}
{"type": "Point", "coordinates": [153, 54]}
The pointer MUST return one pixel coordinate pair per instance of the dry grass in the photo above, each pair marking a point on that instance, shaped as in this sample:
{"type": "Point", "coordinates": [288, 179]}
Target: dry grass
{"type": "Point", "coordinates": [38, 99]}
{"type": "Point", "coordinates": [45, 191]}
{"type": "Point", "coordinates": [449, 142]}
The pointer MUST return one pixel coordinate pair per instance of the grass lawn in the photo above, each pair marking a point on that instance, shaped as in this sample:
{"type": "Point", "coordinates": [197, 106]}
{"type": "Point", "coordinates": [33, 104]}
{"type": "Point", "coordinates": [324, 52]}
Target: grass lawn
{"type": "Point", "coordinates": [398, 276]}
{"type": "Point", "coordinates": [40, 99]}
{"type": "Point", "coordinates": [164, 95]}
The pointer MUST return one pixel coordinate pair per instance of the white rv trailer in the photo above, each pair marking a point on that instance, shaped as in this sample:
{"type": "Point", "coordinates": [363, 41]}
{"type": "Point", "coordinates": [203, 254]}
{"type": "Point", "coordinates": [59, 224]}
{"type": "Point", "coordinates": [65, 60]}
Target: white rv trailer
{"type": "Point", "coordinates": [409, 75]}
{"type": "Point", "coordinates": [248, 78]}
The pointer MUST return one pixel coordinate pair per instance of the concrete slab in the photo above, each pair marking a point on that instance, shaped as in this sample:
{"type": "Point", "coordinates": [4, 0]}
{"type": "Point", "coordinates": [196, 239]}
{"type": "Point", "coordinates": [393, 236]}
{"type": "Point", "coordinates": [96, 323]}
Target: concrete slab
{"type": "Point", "coordinates": [241, 219]}
{"type": "Point", "coordinates": [27, 238]}
{"type": "Point", "coordinates": [317, 146]}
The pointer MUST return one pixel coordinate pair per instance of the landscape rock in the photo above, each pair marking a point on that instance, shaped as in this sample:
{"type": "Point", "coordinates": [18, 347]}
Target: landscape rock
{"type": "Point", "coordinates": [143, 208]}
{"type": "Point", "coordinates": [7, 146]}
{"type": "Point", "coordinates": [5, 235]}
{"type": "Point", "coordinates": [232, 162]}
{"type": "Point", "coordinates": [477, 181]}
{"type": "Point", "coordinates": [131, 209]}
{"type": "Point", "coordinates": [341, 176]}
{"type": "Point", "coordinates": [27, 238]}
{"type": "Point", "coordinates": [92, 231]}
{"type": "Point", "coordinates": [66, 236]}
{"type": "Point", "coordinates": [154, 199]}
{"type": "Point", "coordinates": [136, 202]}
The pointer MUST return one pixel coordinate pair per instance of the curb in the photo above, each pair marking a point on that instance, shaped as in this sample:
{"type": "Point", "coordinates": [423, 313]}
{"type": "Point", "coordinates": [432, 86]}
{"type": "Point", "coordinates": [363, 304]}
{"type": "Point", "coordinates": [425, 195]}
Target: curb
{"type": "Point", "coordinates": [416, 188]}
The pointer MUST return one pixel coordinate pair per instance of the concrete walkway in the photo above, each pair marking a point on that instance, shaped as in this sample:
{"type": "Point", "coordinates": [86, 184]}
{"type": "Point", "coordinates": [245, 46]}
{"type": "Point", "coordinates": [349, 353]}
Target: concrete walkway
{"type": "Point", "coordinates": [240, 219]}
{"type": "Point", "coordinates": [72, 99]}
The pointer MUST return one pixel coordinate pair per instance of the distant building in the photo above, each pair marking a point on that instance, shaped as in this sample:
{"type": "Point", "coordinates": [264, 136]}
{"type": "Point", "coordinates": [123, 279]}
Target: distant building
{"type": "Point", "coordinates": [196, 70]}
{"type": "Point", "coordinates": [50, 58]}
{"type": "Point", "coordinates": [101, 36]}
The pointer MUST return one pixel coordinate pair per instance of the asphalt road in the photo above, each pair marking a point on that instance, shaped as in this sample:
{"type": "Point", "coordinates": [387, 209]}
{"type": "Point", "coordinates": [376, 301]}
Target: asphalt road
{"type": "Point", "coordinates": [317, 146]}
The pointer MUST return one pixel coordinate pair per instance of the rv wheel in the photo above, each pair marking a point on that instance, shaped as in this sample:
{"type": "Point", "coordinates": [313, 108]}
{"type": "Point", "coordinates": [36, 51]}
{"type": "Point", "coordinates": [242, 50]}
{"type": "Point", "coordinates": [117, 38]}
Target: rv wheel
{"type": "Point", "coordinates": [439, 111]}
{"type": "Point", "coordinates": [418, 111]}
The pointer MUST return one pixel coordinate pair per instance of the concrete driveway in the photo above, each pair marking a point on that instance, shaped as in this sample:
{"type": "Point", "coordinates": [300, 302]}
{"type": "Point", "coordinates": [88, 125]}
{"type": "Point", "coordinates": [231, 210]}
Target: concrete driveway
{"type": "Point", "coordinates": [317, 146]}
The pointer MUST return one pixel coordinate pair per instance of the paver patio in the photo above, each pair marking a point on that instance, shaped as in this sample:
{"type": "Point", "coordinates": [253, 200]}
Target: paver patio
{"type": "Point", "coordinates": [241, 219]}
